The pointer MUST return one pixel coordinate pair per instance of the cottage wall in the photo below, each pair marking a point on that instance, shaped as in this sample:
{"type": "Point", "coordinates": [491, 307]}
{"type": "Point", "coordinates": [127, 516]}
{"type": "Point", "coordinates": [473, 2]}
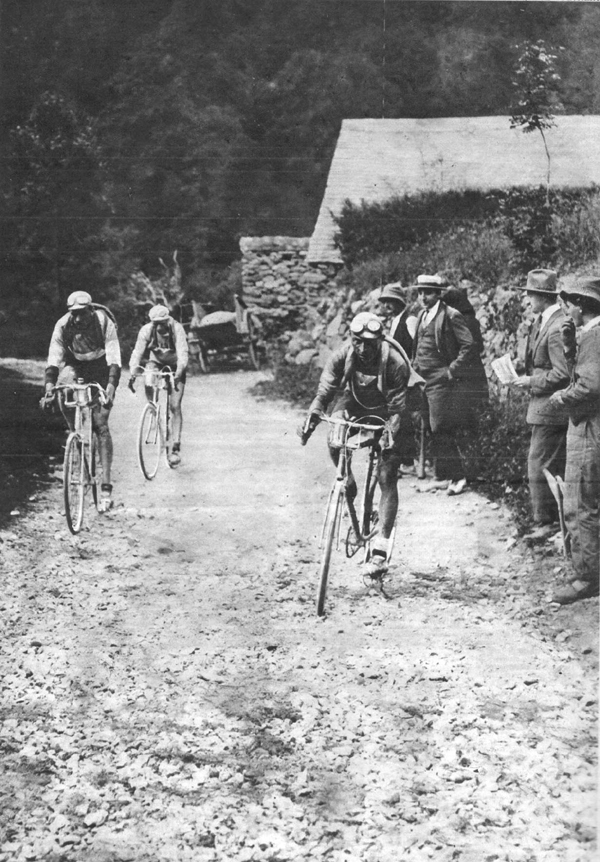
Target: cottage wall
{"type": "Point", "coordinates": [281, 289]}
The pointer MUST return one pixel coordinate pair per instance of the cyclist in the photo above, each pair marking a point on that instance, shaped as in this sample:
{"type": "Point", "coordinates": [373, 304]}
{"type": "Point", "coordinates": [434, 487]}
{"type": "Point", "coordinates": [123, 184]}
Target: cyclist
{"type": "Point", "coordinates": [160, 344]}
{"type": "Point", "coordinates": [373, 374]}
{"type": "Point", "coordinates": [85, 345]}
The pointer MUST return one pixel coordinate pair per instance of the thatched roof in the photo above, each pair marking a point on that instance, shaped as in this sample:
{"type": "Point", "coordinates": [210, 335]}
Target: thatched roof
{"type": "Point", "coordinates": [377, 159]}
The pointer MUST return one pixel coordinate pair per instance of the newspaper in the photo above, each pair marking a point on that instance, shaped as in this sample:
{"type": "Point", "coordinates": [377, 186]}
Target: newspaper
{"type": "Point", "coordinates": [504, 369]}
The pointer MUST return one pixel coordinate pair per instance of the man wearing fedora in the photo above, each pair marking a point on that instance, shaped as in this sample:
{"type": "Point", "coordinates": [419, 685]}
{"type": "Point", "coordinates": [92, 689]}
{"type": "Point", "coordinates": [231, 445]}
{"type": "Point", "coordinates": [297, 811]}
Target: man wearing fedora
{"type": "Point", "coordinates": [443, 350]}
{"type": "Point", "coordinates": [582, 478]}
{"type": "Point", "coordinates": [402, 325]}
{"type": "Point", "coordinates": [546, 371]}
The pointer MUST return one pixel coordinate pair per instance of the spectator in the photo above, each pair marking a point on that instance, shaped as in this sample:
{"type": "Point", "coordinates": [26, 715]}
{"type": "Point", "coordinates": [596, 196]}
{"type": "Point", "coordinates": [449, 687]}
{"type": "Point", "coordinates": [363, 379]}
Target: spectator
{"type": "Point", "coordinates": [443, 349]}
{"type": "Point", "coordinates": [402, 328]}
{"type": "Point", "coordinates": [403, 325]}
{"type": "Point", "coordinates": [474, 391]}
{"type": "Point", "coordinates": [582, 479]}
{"type": "Point", "coordinates": [546, 371]}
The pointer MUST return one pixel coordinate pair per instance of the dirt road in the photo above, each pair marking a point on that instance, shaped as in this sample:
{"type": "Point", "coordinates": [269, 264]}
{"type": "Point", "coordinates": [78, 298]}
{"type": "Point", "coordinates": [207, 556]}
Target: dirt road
{"type": "Point", "coordinates": [169, 694]}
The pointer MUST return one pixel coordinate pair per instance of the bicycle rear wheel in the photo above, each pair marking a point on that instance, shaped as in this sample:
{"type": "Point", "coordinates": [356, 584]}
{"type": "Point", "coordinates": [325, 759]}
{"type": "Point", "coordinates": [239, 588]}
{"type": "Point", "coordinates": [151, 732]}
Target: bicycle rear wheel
{"type": "Point", "coordinates": [332, 522]}
{"type": "Point", "coordinates": [74, 480]}
{"type": "Point", "coordinates": [150, 441]}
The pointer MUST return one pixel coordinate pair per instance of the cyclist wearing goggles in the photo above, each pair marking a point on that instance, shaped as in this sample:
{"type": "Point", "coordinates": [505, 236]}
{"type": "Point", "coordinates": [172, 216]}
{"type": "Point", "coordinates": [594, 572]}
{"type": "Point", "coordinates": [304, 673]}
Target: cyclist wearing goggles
{"type": "Point", "coordinates": [373, 377]}
{"type": "Point", "coordinates": [85, 345]}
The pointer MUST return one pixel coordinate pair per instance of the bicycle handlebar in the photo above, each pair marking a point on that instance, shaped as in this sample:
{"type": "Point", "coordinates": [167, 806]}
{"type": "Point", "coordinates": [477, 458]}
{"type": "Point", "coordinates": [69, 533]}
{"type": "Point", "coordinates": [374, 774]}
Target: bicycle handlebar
{"type": "Point", "coordinates": [82, 387]}
{"type": "Point", "coordinates": [349, 423]}
{"type": "Point", "coordinates": [165, 373]}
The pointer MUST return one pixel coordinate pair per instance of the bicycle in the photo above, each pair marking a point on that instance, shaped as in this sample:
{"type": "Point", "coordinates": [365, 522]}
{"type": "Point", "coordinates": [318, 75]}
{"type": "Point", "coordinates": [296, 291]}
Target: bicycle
{"type": "Point", "coordinates": [154, 431]}
{"type": "Point", "coordinates": [82, 454]}
{"type": "Point", "coordinates": [350, 436]}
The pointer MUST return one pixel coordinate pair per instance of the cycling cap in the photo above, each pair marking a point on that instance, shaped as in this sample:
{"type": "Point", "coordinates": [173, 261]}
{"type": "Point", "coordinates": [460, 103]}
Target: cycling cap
{"type": "Point", "coordinates": [158, 312]}
{"type": "Point", "coordinates": [79, 299]}
{"type": "Point", "coordinates": [366, 325]}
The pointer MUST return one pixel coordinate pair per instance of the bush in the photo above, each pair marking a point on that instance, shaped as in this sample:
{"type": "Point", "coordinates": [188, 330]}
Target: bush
{"type": "Point", "coordinates": [500, 450]}
{"type": "Point", "coordinates": [566, 233]}
{"type": "Point", "coordinates": [295, 383]}
{"type": "Point", "coordinates": [369, 229]}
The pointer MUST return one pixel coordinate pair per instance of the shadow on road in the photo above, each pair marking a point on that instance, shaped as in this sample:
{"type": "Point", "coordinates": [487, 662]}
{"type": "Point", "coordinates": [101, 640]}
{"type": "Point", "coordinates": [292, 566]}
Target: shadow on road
{"type": "Point", "coordinates": [28, 438]}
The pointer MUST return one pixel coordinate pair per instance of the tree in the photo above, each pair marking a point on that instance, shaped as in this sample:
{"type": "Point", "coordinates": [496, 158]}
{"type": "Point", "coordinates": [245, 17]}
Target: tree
{"type": "Point", "coordinates": [536, 85]}
{"type": "Point", "coordinates": [55, 206]}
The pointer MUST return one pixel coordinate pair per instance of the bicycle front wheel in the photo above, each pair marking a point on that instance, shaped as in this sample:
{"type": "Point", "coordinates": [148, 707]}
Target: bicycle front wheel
{"type": "Point", "coordinates": [332, 522]}
{"type": "Point", "coordinates": [74, 481]}
{"type": "Point", "coordinates": [150, 441]}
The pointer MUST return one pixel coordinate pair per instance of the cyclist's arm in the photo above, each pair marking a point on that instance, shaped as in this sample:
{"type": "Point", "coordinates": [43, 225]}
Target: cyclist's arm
{"type": "Point", "coordinates": [181, 347]}
{"type": "Point", "coordinates": [112, 346]}
{"type": "Point", "coordinates": [397, 381]}
{"type": "Point", "coordinates": [56, 353]}
{"type": "Point", "coordinates": [331, 379]}
{"type": "Point", "coordinates": [137, 354]}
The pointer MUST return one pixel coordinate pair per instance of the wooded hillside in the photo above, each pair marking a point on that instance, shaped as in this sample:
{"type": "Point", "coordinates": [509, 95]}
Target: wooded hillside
{"type": "Point", "coordinates": [135, 128]}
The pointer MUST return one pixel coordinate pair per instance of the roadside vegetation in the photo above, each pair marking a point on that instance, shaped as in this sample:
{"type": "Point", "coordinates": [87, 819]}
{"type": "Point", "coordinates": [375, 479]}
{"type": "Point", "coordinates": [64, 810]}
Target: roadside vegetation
{"type": "Point", "coordinates": [507, 234]}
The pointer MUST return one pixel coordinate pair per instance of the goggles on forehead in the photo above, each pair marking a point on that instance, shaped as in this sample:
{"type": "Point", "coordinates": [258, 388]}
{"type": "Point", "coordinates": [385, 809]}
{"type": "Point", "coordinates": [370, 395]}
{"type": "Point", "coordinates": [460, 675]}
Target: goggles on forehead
{"type": "Point", "coordinates": [372, 327]}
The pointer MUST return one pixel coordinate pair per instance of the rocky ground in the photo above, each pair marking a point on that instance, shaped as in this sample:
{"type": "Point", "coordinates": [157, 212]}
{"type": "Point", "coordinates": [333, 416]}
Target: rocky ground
{"type": "Point", "coordinates": [168, 692]}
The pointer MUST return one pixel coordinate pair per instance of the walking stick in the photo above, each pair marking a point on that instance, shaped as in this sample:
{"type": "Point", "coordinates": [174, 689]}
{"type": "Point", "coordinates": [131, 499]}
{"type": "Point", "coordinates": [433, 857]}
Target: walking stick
{"type": "Point", "coordinates": [557, 487]}
{"type": "Point", "coordinates": [421, 463]}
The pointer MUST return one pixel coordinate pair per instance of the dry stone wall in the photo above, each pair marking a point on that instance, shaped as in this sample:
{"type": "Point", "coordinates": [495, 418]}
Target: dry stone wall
{"type": "Point", "coordinates": [281, 289]}
{"type": "Point", "coordinates": [305, 310]}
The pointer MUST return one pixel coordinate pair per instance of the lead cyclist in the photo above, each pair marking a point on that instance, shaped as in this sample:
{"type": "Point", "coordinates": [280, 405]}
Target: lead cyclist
{"type": "Point", "coordinates": [374, 377]}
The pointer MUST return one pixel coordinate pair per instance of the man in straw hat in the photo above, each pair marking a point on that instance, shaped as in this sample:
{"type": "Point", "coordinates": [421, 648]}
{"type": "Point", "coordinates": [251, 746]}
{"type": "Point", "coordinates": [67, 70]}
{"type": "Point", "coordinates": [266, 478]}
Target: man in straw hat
{"type": "Point", "coordinates": [546, 371]}
{"type": "Point", "coordinates": [582, 478]}
{"type": "Point", "coordinates": [443, 350]}
{"type": "Point", "coordinates": [373, 376]}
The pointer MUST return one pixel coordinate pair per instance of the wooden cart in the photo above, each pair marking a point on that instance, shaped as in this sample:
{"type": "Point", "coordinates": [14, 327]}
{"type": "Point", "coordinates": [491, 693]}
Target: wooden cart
{"type": "Point", "coordinates": [224, 334]}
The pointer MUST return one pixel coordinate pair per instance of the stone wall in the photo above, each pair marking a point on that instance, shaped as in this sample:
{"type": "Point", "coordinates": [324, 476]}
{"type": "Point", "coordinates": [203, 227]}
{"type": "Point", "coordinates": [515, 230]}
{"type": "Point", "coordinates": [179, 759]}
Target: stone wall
{"type": "Point", "coordinates": [281, 289]}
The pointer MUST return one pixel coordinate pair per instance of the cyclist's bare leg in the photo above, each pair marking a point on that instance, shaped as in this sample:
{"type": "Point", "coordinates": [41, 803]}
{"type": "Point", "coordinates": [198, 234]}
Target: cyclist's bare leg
{"type": "Point", "coordinates": [176, 414]}
{"type": "Point", "coordinates": [69, 414]}
{"type": "Point", "coordinates": [351, 487]}
{"type": "Point", "coordinates": [105, 444]}
{"type": "Point", "coordinates": [388, 481]}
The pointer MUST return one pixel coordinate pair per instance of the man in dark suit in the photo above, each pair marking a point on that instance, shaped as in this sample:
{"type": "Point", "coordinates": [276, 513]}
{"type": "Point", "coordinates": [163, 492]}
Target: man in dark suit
{"type": "Point", "coordinates": [546, 372]}
{"type": "Point", "coordinates": [402, 325]}
{"type": "Point", "coordinates": [443, 351]}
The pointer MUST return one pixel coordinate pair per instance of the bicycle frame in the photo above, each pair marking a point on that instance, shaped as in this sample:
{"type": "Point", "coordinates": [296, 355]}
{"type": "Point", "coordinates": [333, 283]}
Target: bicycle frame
{"type": "Point", "coordinates": [153, 434]}
{"type": "Point", "coordinates": [351, 436]}
{"type": "Point", "coordinates": [82, 398]}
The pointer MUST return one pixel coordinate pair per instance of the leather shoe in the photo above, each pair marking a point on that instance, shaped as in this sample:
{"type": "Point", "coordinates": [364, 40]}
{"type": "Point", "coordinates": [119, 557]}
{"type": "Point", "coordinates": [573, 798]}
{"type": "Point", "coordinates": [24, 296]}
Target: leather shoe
{"type": "Point", "coordinates": [575, 591]}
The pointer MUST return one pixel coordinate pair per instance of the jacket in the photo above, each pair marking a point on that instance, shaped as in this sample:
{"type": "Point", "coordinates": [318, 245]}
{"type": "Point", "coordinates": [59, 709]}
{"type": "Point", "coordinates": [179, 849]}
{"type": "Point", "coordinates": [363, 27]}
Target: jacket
{"type": "Point", "coordinates": [144, 342]}
{"type": "Point", "coordinates": [401, 333]}
{"type": "Point", "coordinates": [546, 364]}
{"type": "Point", "coordinates": [99, 341]}
{"type": "Point", "coordinates": [453, 340]}
{"type": "Point", "coordinates": [343, 365]}
{"type": "Point", "coordinates": [582, 397]}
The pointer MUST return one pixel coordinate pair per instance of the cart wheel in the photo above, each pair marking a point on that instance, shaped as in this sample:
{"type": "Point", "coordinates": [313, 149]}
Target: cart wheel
{"type": "Point", "coordinates": [203, 360]}
{"type": "Point", "coordinates": [254, 356]}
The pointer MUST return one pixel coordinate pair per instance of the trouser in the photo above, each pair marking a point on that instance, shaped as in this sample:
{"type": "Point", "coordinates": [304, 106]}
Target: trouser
{"type": "Point", "coordinates": [582, 497]}
{"type": "Point", "coordinates": [547, 448]}
{"type": "Point", "coordinates": [445, 428]}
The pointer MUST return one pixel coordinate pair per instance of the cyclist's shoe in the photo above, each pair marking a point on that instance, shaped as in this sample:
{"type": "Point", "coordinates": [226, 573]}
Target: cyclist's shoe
{"type": "Point", "coordinates": [375, 568]}
{"type": "Point", "coordinates": [174, 456]}
{"type": "Point", "coordinates": [106, 501]}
